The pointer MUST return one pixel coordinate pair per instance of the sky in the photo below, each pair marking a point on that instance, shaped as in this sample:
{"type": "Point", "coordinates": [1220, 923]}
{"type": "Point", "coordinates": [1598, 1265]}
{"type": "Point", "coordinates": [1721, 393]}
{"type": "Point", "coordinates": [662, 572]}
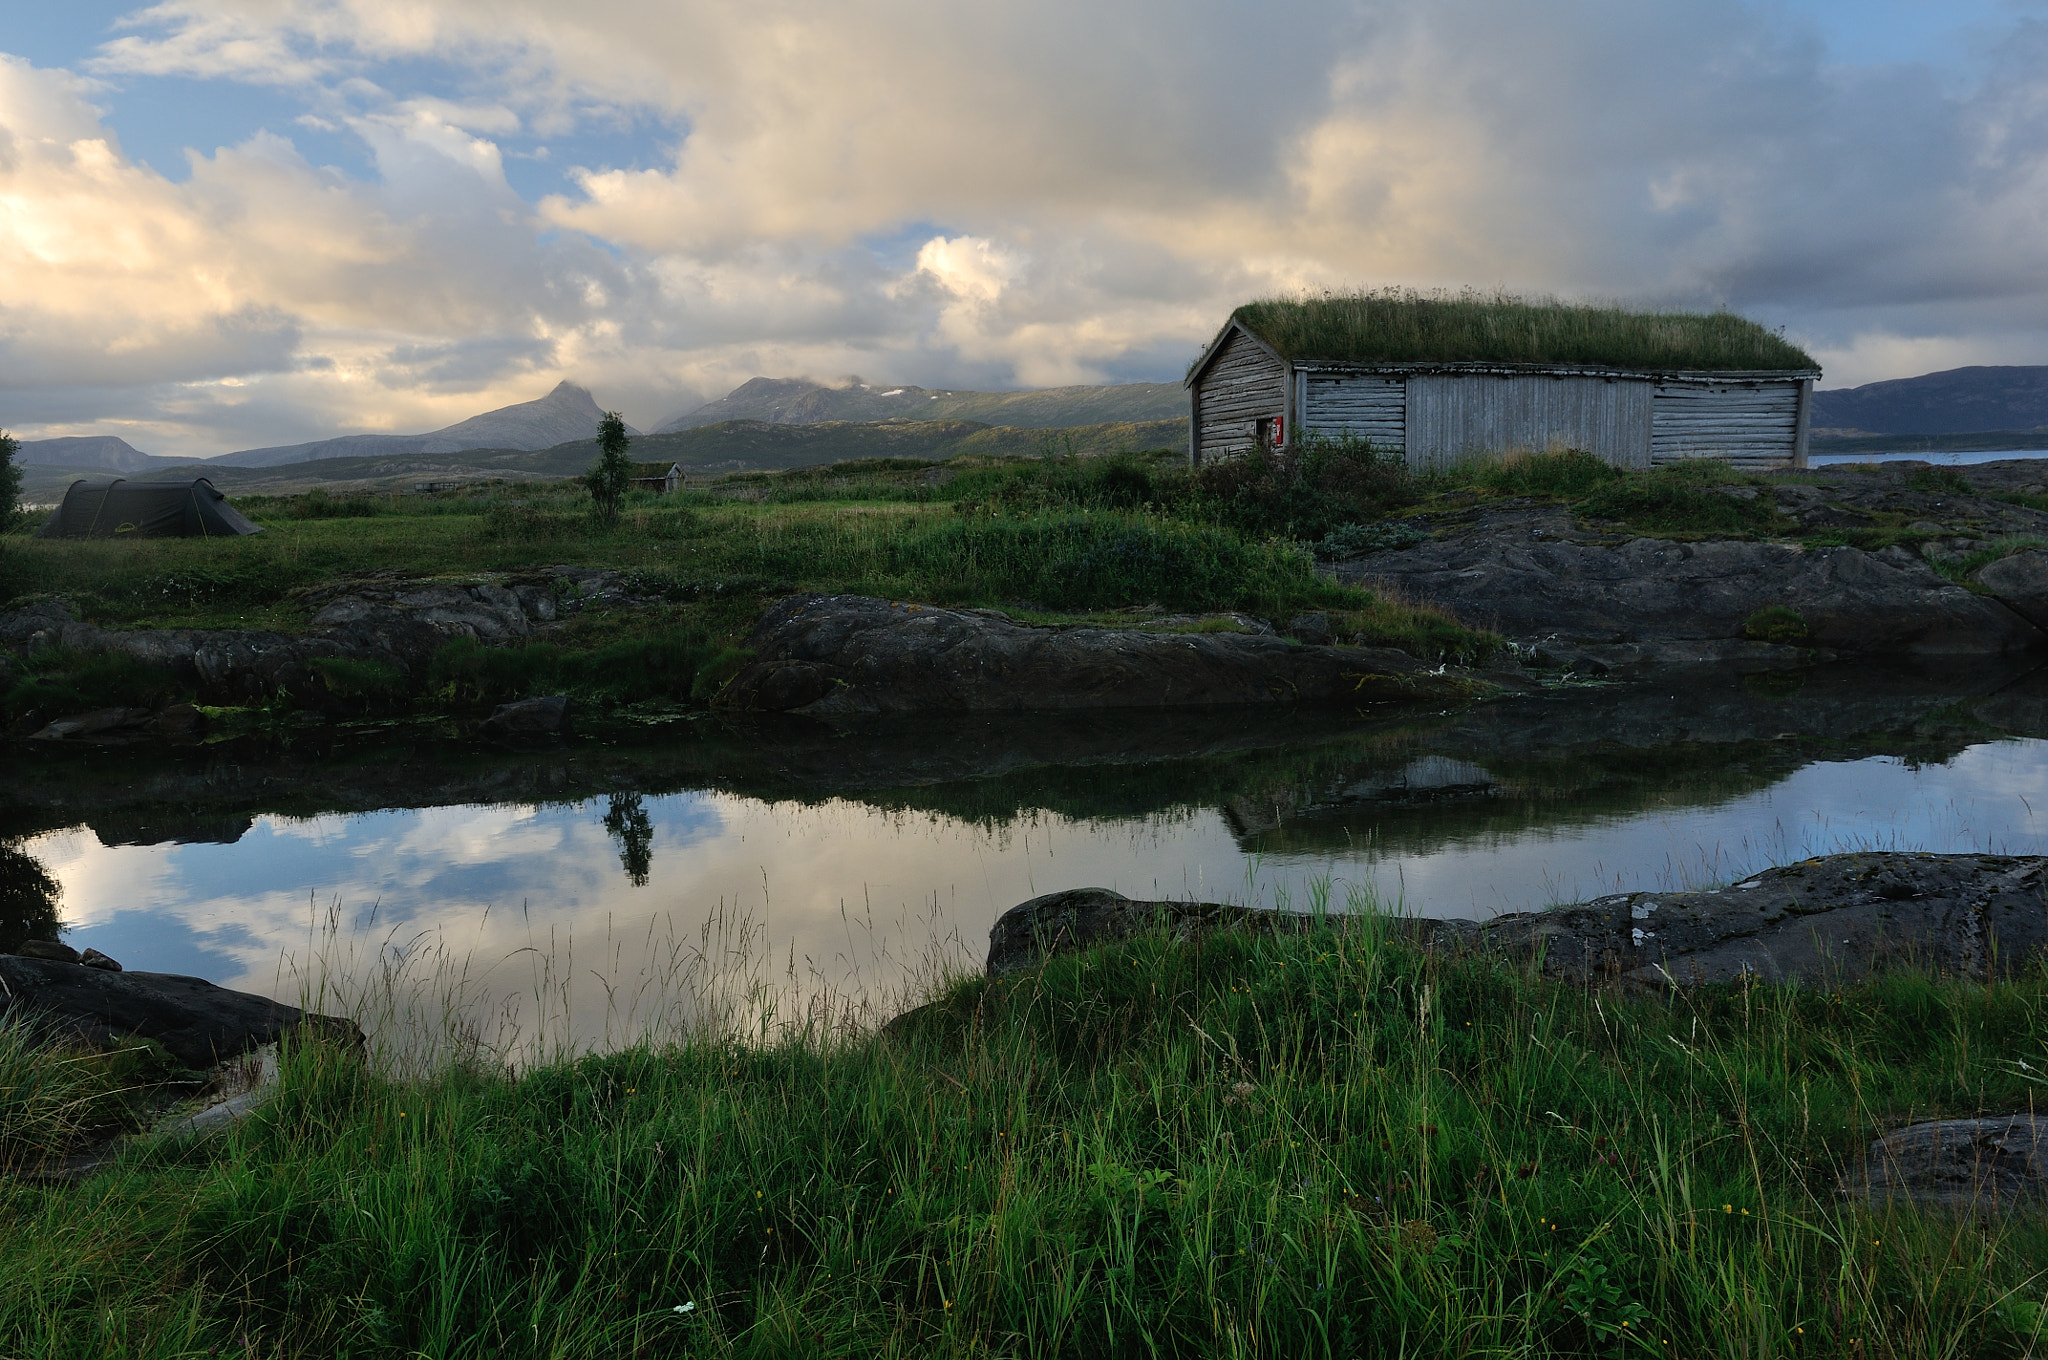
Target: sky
{"type": "Point", "coordinates": [233, 223]}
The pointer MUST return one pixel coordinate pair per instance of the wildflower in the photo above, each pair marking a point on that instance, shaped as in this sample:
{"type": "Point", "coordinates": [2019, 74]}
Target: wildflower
{"type": "Point", "coordinates": [689, 1307]}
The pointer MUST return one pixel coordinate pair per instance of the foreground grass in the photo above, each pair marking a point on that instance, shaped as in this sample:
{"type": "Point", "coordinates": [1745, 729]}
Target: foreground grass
{"type": "Point", "coordinates": [1320, 1145]}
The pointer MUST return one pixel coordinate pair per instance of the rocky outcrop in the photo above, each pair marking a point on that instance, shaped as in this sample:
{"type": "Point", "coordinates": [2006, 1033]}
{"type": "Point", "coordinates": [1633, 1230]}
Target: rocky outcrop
{"type": "Point", "coordinates": [544, 717]}
{"type": "Point", "coordinates": [2021, 584]}
{"type": "Point", "coordinates": [1980, 1166]}
{"type": "Point", "coordinates": [839, 655]}
{"type": "Point", "coordinates": [1656, 601]}
{"type": "Point", "coordinates": [1838, 917]}
{"type": "Point", "coordinates": [397, 624]}
{"type": "Point", "coordinates": [198, 1023]}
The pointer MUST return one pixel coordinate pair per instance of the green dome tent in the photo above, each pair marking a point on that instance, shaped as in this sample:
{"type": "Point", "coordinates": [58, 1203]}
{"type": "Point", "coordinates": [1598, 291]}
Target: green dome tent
{"type": "Point", "coordinates": [183, 508]}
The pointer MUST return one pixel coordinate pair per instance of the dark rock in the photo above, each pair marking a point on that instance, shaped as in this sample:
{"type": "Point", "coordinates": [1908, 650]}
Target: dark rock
{"type": "Point", "coordinates": [1660, 591]}
{"type": "Point", "coordinates": [52, 950]}
{"type": "Point", "coordinates": [174, 722]}
{"type": "Point", "coordinates": [545, 717]}
{"type": "Point", "coordinates": [100, 723]}
{"type": "Point", "coordinates": [92, 958]}
{"type": "Point", "coordinates": [1313, 629]}
{"type": "Point", "coordinates": [197, 1022]}
{"type": "Point", "coordinates": [848, 654]}
{"type": "Point", "coordinates": [1061, 922]}
{"type": "Point", "coordinates": [2021, 583]}
{"type": "Point", "coordinates": [1982, 1166]}
{"type": "Point", "coordinates": [1835, 917]}
{"type": "Point", "coordinates": [1838, 917]}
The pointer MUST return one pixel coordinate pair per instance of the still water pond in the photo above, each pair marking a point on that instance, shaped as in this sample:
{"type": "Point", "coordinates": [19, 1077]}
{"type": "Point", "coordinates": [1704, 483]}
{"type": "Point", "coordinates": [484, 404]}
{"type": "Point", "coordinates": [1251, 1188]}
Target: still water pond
{"type": "Point", "coordinates": [579, 881]}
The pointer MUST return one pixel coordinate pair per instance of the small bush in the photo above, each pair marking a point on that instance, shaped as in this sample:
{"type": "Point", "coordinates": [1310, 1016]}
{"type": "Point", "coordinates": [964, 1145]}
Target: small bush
{"type": "Point", "coordinates": [28, 899]}
{"type": "Point", "coordinates": [1775, 623]}
{"type": "Point", "coordinates": [1685, 498]}
{"type": "Point", "coordinates": [318, 504]}
{"type": "Point", "coordinates": [369, 683]}
{"type": "Point", "coordinates": [679, 665]}
{"type": "Point", "coordinates": [58, 680]}
{"type": "Point", "coordinates": [1941, 481]}
{"type": "Point", "coordinates": [1566, 473]}
{"type": "Point", "coordinates": [1350, 540]}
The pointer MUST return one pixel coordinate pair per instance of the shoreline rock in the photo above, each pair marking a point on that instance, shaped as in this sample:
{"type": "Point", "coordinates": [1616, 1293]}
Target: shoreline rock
{"type": "Point", "coordinates": [1834, 918]}
{"type": "Point", "coordinates": [847, 655]}
{"type": "Point", "coordinates": [200, 1024]}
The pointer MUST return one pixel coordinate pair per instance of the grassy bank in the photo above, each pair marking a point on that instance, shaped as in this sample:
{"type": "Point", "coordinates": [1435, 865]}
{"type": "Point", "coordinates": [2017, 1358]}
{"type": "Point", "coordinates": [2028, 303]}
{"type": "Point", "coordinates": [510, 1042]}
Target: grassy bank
{"type": "Point", "coordinates": [1320, 1145]}
{"type": "Point", "coordinates": [1050, 539]}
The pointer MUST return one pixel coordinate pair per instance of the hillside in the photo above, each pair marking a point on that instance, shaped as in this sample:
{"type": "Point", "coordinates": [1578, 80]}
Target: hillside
{"type": "Point", "coordinates": [1957, 401]}
{"type": "Point", "coordinates": [796, 401]}
{"type": "Point", "coordinates": [710, 450]}
{"type": "Point", "coordinates": [568, 412]}
{"type": "Point", "coordinates": [92, 451]}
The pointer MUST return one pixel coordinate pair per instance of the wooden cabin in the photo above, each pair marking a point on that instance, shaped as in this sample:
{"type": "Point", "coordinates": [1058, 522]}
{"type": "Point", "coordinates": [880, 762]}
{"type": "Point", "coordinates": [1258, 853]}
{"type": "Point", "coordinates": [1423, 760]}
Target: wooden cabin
{"type": "Point", "coordinates": [1445, 377]}
{"type": "Point", "coordinates": [660, 478]}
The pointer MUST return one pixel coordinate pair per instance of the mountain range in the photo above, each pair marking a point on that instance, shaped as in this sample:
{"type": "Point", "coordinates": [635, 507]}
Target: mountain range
{"type": "Point", "coordinates": [569, 412]}
{"type": "Point", "coordinates": [93, 451]}
{"type": "Point", "coordinates": [2011, 400]}
{"type": "Point", "coordinates": [1955, 401]}
{"type": "Point", "coordinates": [798, 401]}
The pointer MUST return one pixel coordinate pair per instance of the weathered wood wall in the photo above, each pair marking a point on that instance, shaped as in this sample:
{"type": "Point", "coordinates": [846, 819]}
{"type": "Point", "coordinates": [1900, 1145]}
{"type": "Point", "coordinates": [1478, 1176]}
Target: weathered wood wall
{"type": "Point", "coordinates": [1452, 415]}
{"type": "Point", "coordinates": [1371, 406]}
{"type": "Point", "coordinates": [1754, 425]}
{"type": "Point", "coordinates": [1242, 385]}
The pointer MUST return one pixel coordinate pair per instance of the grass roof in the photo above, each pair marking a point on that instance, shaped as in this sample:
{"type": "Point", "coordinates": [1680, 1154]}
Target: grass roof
{"type": "Point", "coordinates": [1402, 326]}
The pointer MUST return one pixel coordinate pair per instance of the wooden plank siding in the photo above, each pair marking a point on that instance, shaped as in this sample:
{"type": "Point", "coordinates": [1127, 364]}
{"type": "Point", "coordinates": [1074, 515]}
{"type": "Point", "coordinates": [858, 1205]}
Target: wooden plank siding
{"type": "Point", "coordinates": [1241, 385]}
{"type": "Point", "coordinates": [1437, 412]}
{"type": "Point", "coordinates": [1755, 425]}
{"type": "Point", "coordinates": [1369, 406]}
{"type": "Point", "coordinates": [1455, 415]}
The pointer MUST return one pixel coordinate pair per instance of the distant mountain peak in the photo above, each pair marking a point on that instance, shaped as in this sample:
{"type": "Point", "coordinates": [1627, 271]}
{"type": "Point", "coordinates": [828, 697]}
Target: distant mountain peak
{"type": "Point", "coordinates": [802, 401]}
{"type": "Point", "coordinates": [1955, 401]}
{"type": "Point", "coordinates": [568, 412]}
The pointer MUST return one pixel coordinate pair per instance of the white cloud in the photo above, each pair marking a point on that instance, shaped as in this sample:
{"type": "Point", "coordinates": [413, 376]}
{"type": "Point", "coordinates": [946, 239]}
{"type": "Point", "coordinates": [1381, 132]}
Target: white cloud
{"type": "Point", "coordinates": [978, 194]}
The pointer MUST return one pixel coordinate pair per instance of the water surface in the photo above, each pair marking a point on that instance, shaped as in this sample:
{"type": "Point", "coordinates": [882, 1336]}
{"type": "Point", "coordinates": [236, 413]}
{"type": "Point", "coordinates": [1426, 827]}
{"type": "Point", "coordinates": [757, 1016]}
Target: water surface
{"type": "Point", "coordinates": [597, 882]}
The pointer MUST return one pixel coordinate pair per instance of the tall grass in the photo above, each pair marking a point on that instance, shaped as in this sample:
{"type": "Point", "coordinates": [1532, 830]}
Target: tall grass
{"type": "Point", "coordinates": [1320, 1144]}
{"type": "Point", "coordinates": [1396, 325]}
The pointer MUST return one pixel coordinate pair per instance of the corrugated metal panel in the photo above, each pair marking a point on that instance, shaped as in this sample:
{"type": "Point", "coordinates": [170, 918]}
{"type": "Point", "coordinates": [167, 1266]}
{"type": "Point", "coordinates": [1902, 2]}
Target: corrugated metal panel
{"type": "Point", "coordinates": [1369, 406]}
{"type": "Point", "coordinates": [1453, 415]}
{"type": "Point", "coordinates": [1244, 384]}
{"type": "Point", "coordinates": [1753, 425]}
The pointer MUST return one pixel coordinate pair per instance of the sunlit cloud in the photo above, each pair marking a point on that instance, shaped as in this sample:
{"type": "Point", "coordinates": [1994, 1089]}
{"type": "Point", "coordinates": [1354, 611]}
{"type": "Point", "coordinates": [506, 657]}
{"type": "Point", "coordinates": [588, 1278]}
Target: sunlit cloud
{"type": "Point", "coordinates": [963, 195]}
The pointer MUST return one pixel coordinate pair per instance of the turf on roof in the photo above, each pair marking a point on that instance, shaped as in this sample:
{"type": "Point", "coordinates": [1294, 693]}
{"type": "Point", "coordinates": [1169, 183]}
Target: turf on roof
{"type": "Point", "coordinates": [1406, 327]}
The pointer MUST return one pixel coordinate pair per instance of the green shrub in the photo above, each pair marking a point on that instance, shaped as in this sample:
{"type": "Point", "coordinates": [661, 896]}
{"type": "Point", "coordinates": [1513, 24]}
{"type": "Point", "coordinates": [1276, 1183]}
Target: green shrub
{"type": "Point", "coordinates": [675, 664]}
{"type": "Point", "coordinates": [1307, 491]}
{"type": "Point", "coordinates": [1086, 562]}
{"type": "Point", "coordinates": [28, 899]}
{"type": "Point", "coordinates": [1567, 473]}
{"type": "Point", "coordinates": [1698, 496]}
{"type": "Point", "coordinates": [1775, 623]}
{"type": "Point", "coordinates": [370, 683]}
{"type": "Point", "coordinates": [318, 504]}
{"type": "Point", "coordinates": [1349, 540]}
{"type": "Point", "coordinates": [1941, 481]}
{"type": "Point", "coordinates": [59, 680]}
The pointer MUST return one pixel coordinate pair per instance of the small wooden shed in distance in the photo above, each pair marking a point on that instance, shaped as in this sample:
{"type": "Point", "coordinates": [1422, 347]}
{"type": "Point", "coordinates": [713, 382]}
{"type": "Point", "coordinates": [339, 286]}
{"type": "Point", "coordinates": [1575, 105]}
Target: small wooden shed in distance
{"type": "Point", "coordinates": [1440, 377]}
{"type": "Point", "coordinates": [660, 478]}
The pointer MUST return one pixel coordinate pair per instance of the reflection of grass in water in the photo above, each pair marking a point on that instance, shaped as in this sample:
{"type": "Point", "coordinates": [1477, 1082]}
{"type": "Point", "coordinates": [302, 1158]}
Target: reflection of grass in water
{"type": "Point", "coordinates": [1327, 1143]}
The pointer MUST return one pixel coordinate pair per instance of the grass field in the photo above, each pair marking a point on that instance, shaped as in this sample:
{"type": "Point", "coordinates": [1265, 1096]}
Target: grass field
{"type": "Point", "coordinates": [1324, 1144]}
{"type": "Point", "coordinates": [1051, 539]}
